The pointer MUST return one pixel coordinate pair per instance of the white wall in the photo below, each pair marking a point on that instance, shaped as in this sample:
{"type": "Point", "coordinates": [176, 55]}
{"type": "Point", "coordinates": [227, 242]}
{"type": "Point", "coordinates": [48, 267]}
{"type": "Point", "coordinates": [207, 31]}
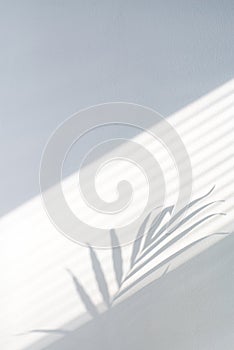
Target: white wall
{"type": "Point", "coordinates": [57, 57]}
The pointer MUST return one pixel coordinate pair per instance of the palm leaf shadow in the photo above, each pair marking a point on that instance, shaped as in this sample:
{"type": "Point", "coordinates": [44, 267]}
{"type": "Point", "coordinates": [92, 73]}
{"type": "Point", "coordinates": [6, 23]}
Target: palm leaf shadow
{"type": "Point", "coordinates": [151, 239]}
{"type": "Point", "coordinates": [48, 331]}
{"type": "Point", "coordinates": [138, 240]}
{"type": "Point", "coordinates": [90, 307]}
{"type": "Point", "coordinates": [185, 220]}
{"type": "Point", "coordinates": [177, 215]}
{"type": "Point", "coordinates": [146, 242]}
{"type": "Point", "coordinates": [173, 241]}
{"type": "Point", "coordinates": [156, 223]}
{"type": "Point", "coordinates": [164, 262]}
{"type": "Point", "coordinates": [116, 257]}
{"type": "Point", "coordinates": [100, 277]}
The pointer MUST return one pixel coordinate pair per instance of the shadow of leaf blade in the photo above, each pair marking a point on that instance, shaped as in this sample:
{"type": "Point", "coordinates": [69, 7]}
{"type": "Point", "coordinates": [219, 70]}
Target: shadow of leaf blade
{"type": "Point", "coordinates": [154, 245]}
{"type": "Point", "coordinates": [195, 212]}
{"type": "Point", "coordinates": [90, 307]}
{"type": "Point", "coordinates": [159, 266]}
{"type": "Point", "coordinates": [138, 240]}
{"type": "Point", "coordinates": [49, 331]}
{"type": "Point", "coordinates": [100, 277]}
{"type": "Point", "coordinates": [195, 201]}
{"type": "Point", "coordinates": [170, 243]}
{"type": "Point", "coordinates": [156, 223]}
{"type": "Point", "coordinates": [181, 212]}
{"type": "Point", "coordinates": [116, 257]}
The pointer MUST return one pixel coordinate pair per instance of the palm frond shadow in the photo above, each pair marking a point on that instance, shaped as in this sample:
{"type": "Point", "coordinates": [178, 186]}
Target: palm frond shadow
{"type": "Point", "coordinates": [147, 246]}
{"type": "Point", "coordinates": [145, 249]}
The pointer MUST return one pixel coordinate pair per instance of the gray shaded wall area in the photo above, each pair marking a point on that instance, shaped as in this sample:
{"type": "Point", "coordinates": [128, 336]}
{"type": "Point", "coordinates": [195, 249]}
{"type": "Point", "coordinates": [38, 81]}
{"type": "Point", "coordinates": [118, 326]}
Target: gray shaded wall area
{"type": "Point", "coordinates": [60, 56]}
